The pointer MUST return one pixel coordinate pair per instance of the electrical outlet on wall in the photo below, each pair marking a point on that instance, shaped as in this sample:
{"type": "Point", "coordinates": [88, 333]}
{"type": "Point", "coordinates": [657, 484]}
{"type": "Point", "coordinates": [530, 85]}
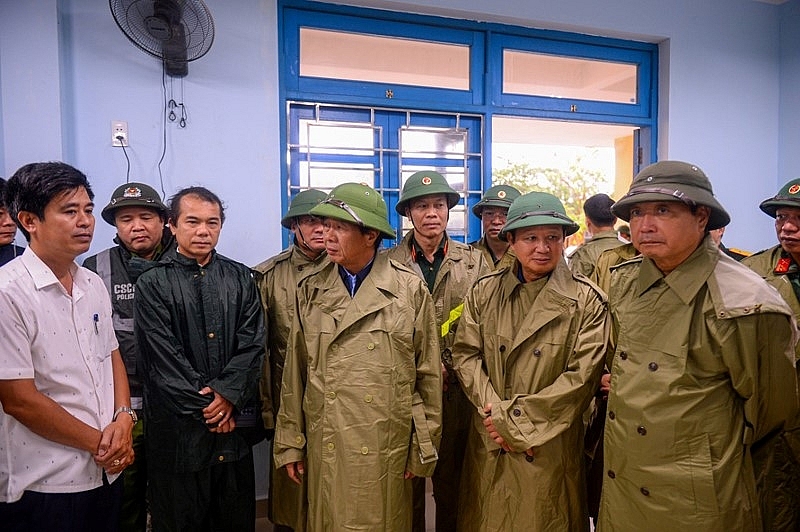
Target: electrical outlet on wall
{"type": "Point", "coordinates": [119, 129]}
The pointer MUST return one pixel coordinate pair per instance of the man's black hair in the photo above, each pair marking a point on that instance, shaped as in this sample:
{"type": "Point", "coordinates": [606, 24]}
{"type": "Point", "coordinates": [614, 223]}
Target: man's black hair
{"type": "Point", "coordinates": [35, 185]}
{"type": "Point", "coordinates": [598, 210]}
{"type": "Point", "coordinates": [201, 192]}
{"type": "Point", "coordinates": [2, 193]}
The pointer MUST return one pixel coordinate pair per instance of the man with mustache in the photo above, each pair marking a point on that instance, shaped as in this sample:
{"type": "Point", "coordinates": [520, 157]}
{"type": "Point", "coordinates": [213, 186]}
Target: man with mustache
{"type": "Point", "coordinates": [66, 420]}
{"type": "Point", "coordinates": [702, 367]}
{"type": "Point", "coordinates": [139, 216]}
{"type": "Point", "coordinates": [780, 267]}
{"type": "Point", "coordinates": [277, 280]}
{"type": "Point", "coordinates": [449, 268]}
{"type": "Point", "coordinates": [200, 329]}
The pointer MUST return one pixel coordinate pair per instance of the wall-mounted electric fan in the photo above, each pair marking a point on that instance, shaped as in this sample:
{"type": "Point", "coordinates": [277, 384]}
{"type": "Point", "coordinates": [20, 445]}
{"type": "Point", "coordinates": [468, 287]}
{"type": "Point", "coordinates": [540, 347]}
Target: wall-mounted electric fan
{"type": "Point", "coordinates": [175, 31]}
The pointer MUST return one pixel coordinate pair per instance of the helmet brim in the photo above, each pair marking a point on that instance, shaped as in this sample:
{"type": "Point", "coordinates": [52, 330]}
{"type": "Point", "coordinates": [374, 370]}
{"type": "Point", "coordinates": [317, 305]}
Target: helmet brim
{"type": "Point", "coordinates": [370, 220]}
{"type": "Point", "coordinates": [718, 217]}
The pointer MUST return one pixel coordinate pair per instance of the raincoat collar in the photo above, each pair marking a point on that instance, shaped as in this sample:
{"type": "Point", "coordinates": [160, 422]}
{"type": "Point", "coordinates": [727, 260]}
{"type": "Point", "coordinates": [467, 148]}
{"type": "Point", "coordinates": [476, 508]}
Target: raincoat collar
{"type": "Point", "coordinates": [685, 280]}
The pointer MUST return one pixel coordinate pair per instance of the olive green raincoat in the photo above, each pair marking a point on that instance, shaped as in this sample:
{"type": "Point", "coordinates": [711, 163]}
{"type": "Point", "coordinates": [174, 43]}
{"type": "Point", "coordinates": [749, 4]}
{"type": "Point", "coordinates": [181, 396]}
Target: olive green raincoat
{"type": "Point", "coordinates": [701, 372]}
{"type": "Point", "coordinates": [461, 267]}
{"type": "Point", "coordinates": [361, 396]}
{"type": "Point", "coordinates": [539, 369]}
{"type": "Point", "coordinates": [507, 260]}
{"type": "Point", "coordinates": [784, 499]}
{"type": "Point", "coordinates": [277, 280]}
{"type": "Point", "coordinates": [584, 258]}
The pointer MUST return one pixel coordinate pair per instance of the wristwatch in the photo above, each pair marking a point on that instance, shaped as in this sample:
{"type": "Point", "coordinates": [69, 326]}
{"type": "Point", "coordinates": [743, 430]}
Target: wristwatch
{"type": "Point", "coordinates": [127, 410]}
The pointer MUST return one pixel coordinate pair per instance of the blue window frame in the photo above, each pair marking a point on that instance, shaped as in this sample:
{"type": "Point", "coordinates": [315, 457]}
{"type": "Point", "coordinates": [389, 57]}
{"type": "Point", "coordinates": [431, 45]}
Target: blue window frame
{"type": "Point", "coordinates": [385, 112]}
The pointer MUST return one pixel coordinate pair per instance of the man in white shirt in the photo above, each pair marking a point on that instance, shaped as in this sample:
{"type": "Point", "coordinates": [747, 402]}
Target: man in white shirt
{"type": "Point", "coordinates": [65, 416]}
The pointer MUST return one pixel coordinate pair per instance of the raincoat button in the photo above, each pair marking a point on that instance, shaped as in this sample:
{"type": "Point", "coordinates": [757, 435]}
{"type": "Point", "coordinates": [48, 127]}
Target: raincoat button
{"type": "Point", "coordinates": [517, 412]}
{"type": "Point", "coordinates": [211, 335]}
{"type": "Point", "coordinates": [502, 349]}
{"type": "Point", "coordinates": [299, 439]}
{"type": "Point", "coordinates": [221, 458]}
{"type": "Point", "coordinates": [368, 398]}
{"type": "Point", "coordinates": [334, 347]}
{"type": "Point", "coordinates": [365, 450]}
{"type": "Point", "coordinates": [641, 430]}
{"type": "Point", "coordinates": [370, 346]}
{"type": "Point", "coordinates": [331, 446]}
{"type": "Point", "coordinates": [611, 474]}
{"type": "Point", "coordinates": [300, 268]}
{"type": "Point", "coordinates": [623, 355]}
{"type": "Point", "coordinates": [645, 492]}
{"type": "Point", "coordinates": [652, 366]}
{"type": "Point", "coordinates": [611, 415]}
{"type": "Point", "coordinates": [331, 395]}
{"type": "Point", "coordinates": [537, 352]}
{"type": "Point", "coordinates": [529, 458]}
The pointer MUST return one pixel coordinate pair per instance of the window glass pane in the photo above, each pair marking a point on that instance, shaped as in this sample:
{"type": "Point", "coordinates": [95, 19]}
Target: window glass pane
{"type": "Point", "coordinates": [433, 143]}
{"type": "Point", "coordinates": [332, 137]}
{"type": "Point", "coordinates": [361, 57]}
{"type": "Point", "coordinates": [553, 76]}
{"type": "Point", "coordinates": [326, 176]}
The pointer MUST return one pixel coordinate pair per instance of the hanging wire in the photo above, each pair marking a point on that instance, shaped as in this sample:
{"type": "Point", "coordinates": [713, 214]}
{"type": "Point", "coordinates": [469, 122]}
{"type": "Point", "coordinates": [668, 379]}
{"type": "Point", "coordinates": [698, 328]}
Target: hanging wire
{"type": "Point", "coordinates": [128, 171]}
{"type": "Point", "coordinates": [164, 127]}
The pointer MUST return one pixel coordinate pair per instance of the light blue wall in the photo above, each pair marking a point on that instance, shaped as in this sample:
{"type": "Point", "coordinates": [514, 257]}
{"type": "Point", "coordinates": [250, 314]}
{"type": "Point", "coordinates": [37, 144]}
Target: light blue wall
{"type": "Point", "coordinates": [729, 68]}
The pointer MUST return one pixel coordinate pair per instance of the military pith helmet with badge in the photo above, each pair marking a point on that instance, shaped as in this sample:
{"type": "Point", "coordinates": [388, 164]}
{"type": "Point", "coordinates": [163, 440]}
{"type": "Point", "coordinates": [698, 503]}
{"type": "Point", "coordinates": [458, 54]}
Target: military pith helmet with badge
{"type": "Point", "coordinates": [787, 196]}
{"type": "Point", "coordinates": [302, 203]}
{"type": "Point", "coordinates": [356, 203]}
{"type": "Point", "coordinates": [497, 196]}
{"type": "Point", "coordinates": [133, 195]}
{"type": "Point", "coordinates": [673, 181]}
{"type": "Point", "coordinates": [426, 183]}
{"type": "Point", "coordinates": [537, 208]}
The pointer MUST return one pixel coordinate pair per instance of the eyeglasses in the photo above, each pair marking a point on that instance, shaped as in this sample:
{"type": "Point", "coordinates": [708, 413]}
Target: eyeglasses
{"type": "Point", "coordinates": [491, 214]}
{"type": "Point", "coordinates": [309, 220]}
{"type": "Point", "coordinates": [346, 208]}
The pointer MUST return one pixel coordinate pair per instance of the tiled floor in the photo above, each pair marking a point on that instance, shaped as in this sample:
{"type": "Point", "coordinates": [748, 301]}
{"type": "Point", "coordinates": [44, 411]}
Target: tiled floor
{"type": "Point", "coordinates": [263, 524]}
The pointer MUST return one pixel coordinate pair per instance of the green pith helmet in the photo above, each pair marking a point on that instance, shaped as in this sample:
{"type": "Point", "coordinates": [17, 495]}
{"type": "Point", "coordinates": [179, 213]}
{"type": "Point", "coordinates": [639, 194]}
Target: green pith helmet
{"type": "Point", "coordinates": [496, 196]}
{"type": "Point", "coordinates": [672, 181]}
{"type": "Point", "coordinates": [133, 195]}
{"type": "Point", "coordinates": [787, 196]}
{"type": "Point", "coordinates": [425, 183]}
{"type": "Point", "coordinates": [356, 203]}
{"type": "Point", "coordinates": [537, 208]}
{"type": "Point", "coordinates": [301, 204]}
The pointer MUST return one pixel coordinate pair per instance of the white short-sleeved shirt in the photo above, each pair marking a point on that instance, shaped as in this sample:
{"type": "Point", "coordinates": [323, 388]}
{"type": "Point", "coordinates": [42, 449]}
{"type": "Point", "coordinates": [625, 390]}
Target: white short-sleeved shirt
{"type": "Point", "coordinates": [64, 344]}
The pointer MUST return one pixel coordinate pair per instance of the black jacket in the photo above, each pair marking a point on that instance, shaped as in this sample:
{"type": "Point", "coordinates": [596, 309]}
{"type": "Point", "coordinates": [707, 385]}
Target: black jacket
{"type": "Point", "coordinates": [196, 327]}
{"type": "Point", "coordinates": [119, 270]}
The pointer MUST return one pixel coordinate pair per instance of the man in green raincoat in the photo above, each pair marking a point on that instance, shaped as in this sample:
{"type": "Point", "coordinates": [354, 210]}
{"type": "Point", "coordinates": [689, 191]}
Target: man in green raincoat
{"type": "Point", "coordinates": [779, 266]}
{"type": "Point", "coordinates": [702, 370]}
{"type": "Point", "coordinates": [449, 268]}
{"type": "Point", "coordinates": [600, 237]}
{"type": "Point", "coordinates": [361, 399]}
{"type": "Point", "coordinates": [492, 209]}
{"type": "Point", "coordinates": [277, 280]}
{"type": "Point", "coordinates": [529, 351]}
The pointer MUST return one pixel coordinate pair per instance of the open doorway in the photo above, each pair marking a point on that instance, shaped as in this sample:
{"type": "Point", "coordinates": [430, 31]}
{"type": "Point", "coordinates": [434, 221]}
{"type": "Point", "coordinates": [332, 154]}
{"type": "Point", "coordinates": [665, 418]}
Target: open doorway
{"type": "Point", "coordinates": [571, 160]}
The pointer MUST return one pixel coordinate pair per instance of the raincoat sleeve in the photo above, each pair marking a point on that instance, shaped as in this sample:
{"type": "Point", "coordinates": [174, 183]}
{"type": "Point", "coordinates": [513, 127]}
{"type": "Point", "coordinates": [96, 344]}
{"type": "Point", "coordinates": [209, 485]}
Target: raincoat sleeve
{"type": "Point", "coordinates": [468, 354]}
{"type": "Point", "coordinates": [237, 381]}
{"type": "Point", "coordinates": [290, 427]}
{"type": "Point", "coordinates": [767, 381]}
{"type": "Point", "coordinates": [427, 396]}
{"type": "Point", "coordinates": [526, 421]}
{"type": "Point", "coordinates": [162, 362]}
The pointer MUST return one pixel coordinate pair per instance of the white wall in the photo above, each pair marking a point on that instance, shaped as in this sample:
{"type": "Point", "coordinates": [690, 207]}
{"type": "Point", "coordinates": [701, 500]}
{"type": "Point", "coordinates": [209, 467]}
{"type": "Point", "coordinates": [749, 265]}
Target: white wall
{"type": "Point", "coordinates": [721, 106]}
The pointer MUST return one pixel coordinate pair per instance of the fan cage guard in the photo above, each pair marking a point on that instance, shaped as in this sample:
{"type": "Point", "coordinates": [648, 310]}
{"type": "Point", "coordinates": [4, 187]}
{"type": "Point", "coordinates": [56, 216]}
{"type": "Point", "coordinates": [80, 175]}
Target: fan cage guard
{"type": "Point", "coordinates": [198, 27]}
